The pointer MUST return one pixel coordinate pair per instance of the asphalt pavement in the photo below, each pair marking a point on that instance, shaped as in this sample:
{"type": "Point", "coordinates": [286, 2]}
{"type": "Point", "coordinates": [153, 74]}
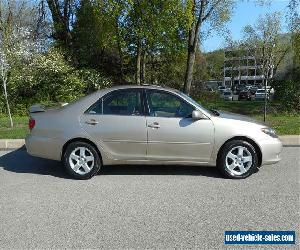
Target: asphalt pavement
{"type": "Point", "coordinates": [142, 207]}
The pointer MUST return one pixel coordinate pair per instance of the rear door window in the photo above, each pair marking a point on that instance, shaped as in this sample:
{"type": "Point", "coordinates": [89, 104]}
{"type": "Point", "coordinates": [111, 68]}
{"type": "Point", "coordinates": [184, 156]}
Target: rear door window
{"type": "Point", "coordinates": [119, 102]}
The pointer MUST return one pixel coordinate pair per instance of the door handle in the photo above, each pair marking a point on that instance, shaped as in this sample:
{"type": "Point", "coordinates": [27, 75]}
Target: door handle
{"type": "Point", "coordinates": [154, 125]}
{"type": "Point", "coordinates": [92, 122]}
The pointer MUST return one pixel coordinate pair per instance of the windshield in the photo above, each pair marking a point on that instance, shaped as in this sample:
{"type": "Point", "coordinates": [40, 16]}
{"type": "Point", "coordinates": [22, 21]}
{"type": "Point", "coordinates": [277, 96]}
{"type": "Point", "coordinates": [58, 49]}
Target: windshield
{"type": "Point", "coordinates": [260, 91]}
{"type": "Point", "coordinates": [227, 93]}
{"type": "Point", "coordinates": [195, 103]}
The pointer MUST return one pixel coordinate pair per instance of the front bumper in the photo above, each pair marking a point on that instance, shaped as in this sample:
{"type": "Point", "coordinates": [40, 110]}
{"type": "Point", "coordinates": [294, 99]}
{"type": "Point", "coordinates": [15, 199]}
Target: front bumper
{"type": "Point", "coordinates": [271, 150]}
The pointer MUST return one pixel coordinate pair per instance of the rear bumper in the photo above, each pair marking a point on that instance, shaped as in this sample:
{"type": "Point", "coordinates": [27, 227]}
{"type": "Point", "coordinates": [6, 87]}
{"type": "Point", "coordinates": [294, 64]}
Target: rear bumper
{"type": "Point", "coordinates": [43, 147]}
{"type": "Point", "coordinates": [271, 150]}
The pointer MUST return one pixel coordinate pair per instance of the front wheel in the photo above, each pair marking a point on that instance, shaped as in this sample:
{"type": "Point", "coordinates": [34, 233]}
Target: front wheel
{"type": "Point", "coordinates": [81, 160]}
{"type": "Point", "coordinates": [237, 160]}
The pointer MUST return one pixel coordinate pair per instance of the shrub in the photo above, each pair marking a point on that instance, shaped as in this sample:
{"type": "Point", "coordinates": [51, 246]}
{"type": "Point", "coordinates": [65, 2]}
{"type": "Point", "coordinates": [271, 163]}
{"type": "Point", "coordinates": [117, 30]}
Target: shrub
{"type": "Point", "coordinates": [287, 91]}
{"type": "Point", "coordinates": [49, 78]}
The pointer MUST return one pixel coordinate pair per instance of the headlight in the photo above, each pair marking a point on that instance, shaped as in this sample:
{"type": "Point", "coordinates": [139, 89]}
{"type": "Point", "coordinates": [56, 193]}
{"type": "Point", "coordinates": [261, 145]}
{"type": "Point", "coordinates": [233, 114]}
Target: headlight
{"type": "Point", "coordinates": [269, 131]}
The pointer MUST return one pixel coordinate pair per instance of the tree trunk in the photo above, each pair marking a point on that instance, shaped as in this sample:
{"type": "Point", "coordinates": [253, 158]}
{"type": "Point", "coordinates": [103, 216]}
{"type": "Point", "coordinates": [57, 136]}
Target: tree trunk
{"type": "Point", "coordinates": [190, 61]}
{"type": "Point", "coordinates": [192, 44]}
{"type": "Point", "coordinates": [189, 72]}
{"type": "Point", "coordinates": [121, 63]}
{"type": "Point", "coordinates": [7, 105]}
{"type": "Point", "coordinates": [266, 100]}
{"type": "Point", "coordinates": [152, 74]}
{"type": "Point", "coordinates": [143, 68]}
{"type": "Point", "coordinates": [138, 63]}
{"type": "Point", "coordinates": [120, 52]}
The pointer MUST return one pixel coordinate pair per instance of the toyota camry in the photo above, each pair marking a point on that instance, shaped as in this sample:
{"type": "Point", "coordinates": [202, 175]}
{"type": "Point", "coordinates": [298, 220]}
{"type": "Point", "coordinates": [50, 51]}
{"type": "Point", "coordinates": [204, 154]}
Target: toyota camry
{"type": "Point", "coordinates": [148, 125]}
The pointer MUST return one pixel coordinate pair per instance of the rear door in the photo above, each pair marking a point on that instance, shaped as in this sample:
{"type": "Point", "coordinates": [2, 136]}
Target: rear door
{"type": "Point", "coordinates": [118, 123]}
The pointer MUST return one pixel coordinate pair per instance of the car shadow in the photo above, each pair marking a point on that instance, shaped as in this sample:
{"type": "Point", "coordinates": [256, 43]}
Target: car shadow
{"type": "Point", "coordinates": [161, 170]}
{"type": "Point", "coordinates": [19, 161]}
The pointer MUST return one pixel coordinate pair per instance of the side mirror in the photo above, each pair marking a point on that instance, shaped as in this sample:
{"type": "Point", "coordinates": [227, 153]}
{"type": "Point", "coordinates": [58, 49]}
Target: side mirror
{"type": "Point", "coordinates": [197, 115]}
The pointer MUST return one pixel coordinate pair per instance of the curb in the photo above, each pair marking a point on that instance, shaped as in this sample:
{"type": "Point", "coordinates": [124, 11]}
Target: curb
{"type": "Point", "coordinates": [290, 140]}
{"type": "Point", "coordinates": [9, 144]}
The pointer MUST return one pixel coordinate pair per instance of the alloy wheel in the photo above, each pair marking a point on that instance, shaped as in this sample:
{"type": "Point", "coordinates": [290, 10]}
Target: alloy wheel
{"type": "Point", "coordinates": [238, 160]}
{"type": "Point", "coordinates": [81, 160]}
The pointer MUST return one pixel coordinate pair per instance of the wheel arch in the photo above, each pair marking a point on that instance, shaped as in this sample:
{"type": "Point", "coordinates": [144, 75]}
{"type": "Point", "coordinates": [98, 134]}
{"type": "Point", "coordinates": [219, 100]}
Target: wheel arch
{"type": "Point", "coordinates": [80, 139]}
{"type": "Point", "coordinates": [247, 139]}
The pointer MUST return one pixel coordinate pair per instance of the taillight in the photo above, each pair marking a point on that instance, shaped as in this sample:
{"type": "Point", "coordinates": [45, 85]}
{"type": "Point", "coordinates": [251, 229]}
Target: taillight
{"type": "Point", "coordinates": [31, 123]}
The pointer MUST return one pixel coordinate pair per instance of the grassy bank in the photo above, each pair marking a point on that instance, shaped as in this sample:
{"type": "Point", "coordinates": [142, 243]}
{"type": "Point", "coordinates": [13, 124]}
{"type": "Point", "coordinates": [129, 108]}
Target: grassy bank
{"type": "Point", "coordinates": [20, 129]}
{"type": "Point", "coordinates": [285, 124]}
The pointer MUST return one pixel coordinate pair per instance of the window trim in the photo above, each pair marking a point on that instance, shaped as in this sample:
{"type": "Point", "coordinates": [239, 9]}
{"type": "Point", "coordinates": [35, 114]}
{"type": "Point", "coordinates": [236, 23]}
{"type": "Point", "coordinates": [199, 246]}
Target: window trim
{"type": "Point", "coordinates": [170, 93]}
{"type": "Point", "coordinates": [112, 92]}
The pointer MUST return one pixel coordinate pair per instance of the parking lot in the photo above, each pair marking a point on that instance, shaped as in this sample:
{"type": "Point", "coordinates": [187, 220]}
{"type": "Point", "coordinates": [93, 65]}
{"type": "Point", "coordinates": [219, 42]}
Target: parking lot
{"type": "Point", "coordinates": [142, 206]}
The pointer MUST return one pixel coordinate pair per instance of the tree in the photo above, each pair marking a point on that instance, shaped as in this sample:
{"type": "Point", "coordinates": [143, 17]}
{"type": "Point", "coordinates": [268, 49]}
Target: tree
{"type": "Point", "coordinates": [4, 69]}
{"type": "Point", "coordinates": [20, 39]}
{"type": "Point", "coordinates": [62, 13]}
{"type": "Point", "coordinates": [293, 18]}
{"type": "Point", "coordinates": [215, 64]}
{"type": "Point", "coordinates": [151, 30]}
{"type": "Point", "coordinates": [199, 12]}
{"type": "Point", "coordinates": [98, 37]}
{"type": "Point", "coordinates": [123, 38]}
{"type": "Point", "coordinates": [288, 87]}
{"type": "Point", "coordinates": [265, 39]}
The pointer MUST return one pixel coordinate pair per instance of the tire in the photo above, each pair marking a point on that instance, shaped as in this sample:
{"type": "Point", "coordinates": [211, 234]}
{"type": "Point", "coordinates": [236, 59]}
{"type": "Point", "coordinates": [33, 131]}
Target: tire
{"type": "Point", "coordinates": [237, 159]}
{"type": "Point", "coordinates": [82, 160]}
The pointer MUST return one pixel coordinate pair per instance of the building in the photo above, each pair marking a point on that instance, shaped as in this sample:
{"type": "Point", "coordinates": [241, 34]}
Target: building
{"type": "Point", "coordinates": [242, 66]}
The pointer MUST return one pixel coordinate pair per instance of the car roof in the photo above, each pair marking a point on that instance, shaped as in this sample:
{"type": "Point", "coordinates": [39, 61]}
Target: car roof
{"type": "Point", "coordinates": [134, 86]}
{"type": "Point", "coordinates": [104, 91]}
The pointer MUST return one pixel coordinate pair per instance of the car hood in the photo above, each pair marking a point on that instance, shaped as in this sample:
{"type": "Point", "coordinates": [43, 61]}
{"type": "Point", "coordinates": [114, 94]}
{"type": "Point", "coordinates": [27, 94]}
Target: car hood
{"type": "Point", "coordinates": [233, 116]}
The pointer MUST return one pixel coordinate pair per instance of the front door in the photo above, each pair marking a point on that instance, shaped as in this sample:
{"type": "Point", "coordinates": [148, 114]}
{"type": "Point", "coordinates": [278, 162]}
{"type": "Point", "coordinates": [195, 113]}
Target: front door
{"type": "Point", "coordinates": [172, 133]}
{"type": "Point", "coordinates": [118, 124]}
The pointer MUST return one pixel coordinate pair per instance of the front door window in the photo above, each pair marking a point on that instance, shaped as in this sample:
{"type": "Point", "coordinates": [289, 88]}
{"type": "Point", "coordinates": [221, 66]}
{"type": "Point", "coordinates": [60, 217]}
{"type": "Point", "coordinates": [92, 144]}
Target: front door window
{"type": "Point", "coordinates": [163, 104]}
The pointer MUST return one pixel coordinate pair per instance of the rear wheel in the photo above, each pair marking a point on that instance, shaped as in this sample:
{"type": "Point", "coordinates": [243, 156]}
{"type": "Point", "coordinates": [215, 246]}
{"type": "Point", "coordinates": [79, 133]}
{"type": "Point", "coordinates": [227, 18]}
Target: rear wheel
{"type": "Point", "coordinates": [81, 160]}
{"type": "Point", "coordinates": [237, 160]}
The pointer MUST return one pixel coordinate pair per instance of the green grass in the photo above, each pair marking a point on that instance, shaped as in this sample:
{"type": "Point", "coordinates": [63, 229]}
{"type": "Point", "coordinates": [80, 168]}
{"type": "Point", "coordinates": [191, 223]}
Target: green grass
{"type": "Point", "coordinates": [19, 131]}
{"type": "Point", "coordinates": [285, 124]}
